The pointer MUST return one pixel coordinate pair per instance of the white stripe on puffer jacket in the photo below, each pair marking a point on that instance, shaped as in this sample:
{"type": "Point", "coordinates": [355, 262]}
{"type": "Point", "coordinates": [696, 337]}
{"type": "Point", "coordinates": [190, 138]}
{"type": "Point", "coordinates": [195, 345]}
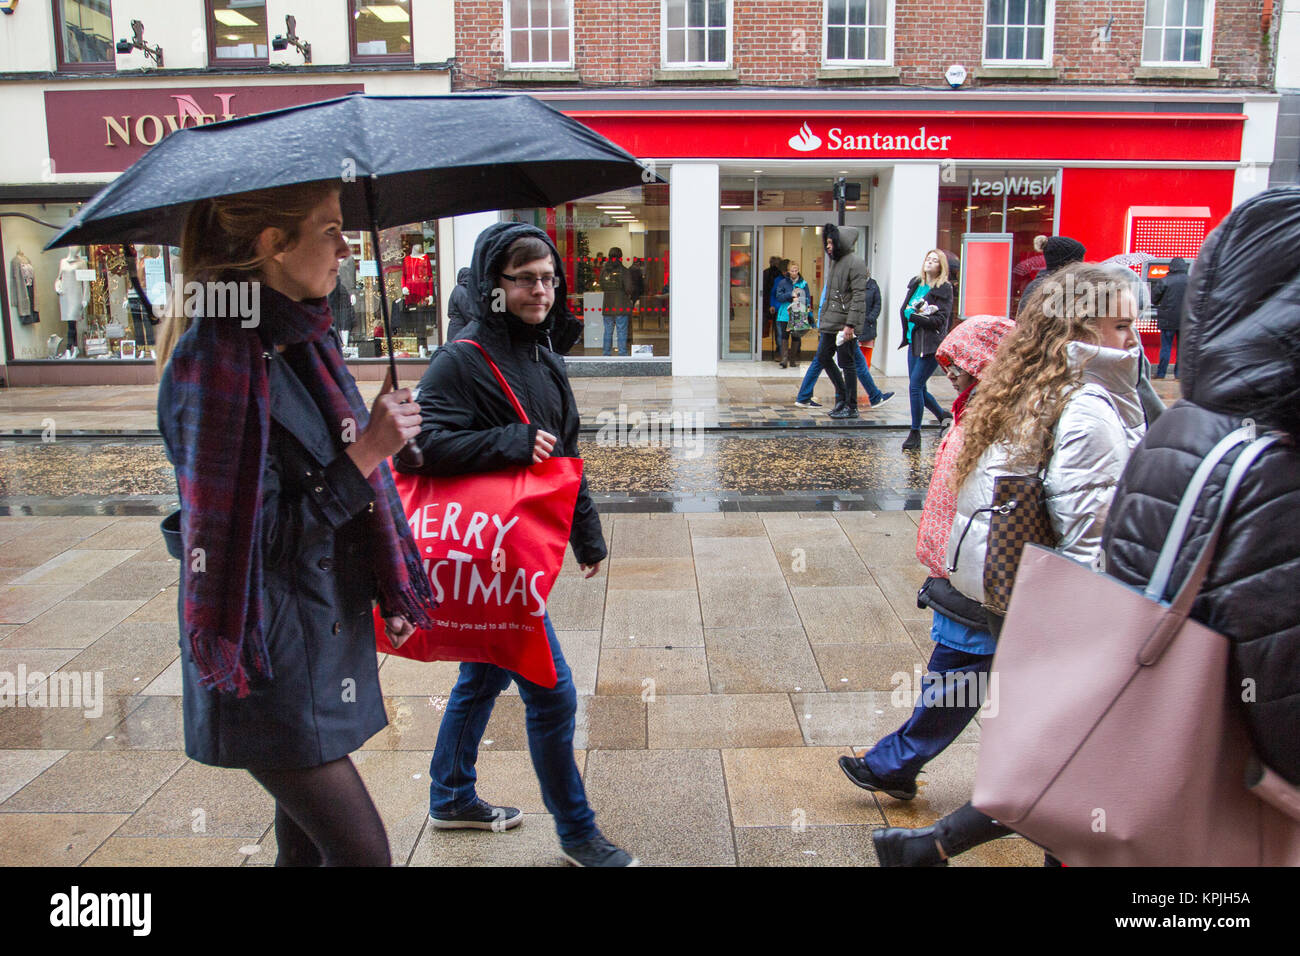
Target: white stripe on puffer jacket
{"type": "Point", "coordinates": [1090, 449]}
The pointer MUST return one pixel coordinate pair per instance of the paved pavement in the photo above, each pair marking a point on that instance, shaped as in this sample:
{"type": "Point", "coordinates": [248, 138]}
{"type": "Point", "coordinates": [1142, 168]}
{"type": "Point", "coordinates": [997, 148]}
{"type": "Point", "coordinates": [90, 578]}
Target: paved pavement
{"type": "Point", "coordinates": [723, 662]}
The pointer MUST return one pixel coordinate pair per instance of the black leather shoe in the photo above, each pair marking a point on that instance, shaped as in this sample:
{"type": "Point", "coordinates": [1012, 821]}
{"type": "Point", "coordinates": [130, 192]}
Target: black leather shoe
{"type": "Point", "coordinates": [846, 411]}
{"type": "Point", "coordinates": [898, 846]}
{"type": "Point", "coordinates": [913, 442]}
{"type": "Point", "coordinates": [839, 407]}
{"type": "Point", "coordinates": [856, 769]}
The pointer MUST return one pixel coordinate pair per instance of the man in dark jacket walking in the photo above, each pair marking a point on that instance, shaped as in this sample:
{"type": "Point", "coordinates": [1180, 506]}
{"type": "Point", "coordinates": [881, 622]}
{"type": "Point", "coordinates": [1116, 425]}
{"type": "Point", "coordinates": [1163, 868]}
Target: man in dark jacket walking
{"type": "Point", "coordinates": [468, 426]}
{"type": "Point", "coordinates": [1168, 300]}
{"type": "Point", "coordinates": [845, 312]}
{"type": "Point", "coordinates": [1239, 360]}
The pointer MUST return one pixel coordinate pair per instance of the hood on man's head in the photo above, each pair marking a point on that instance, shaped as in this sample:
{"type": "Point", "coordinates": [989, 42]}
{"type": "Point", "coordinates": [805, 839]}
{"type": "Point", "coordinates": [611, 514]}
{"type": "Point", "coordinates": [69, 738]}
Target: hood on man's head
{"type": "Point", "coordinates": [843, 237]}
{"type": "Point", "coordinates": [1178, 265]}
{"type": "Point", "coordinates": [1239, 346]}
{"type": "Point", "coordinates": [462, 277]}
{"type": "Point", "coordinates": [489, 256]}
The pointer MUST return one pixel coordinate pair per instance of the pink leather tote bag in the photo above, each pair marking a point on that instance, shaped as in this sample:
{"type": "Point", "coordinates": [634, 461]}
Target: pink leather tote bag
{"type": "Point", "coordinates": [1116, 739]}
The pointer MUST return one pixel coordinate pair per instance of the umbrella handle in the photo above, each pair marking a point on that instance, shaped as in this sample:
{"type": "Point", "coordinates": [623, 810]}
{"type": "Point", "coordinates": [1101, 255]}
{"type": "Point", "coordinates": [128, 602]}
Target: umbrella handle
{"type": "Point", "coordinates": [410, 455]}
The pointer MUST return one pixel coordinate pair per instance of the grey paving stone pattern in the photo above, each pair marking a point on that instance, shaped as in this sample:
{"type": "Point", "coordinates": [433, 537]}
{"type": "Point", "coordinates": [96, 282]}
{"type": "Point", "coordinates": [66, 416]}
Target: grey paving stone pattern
{"type": "Point", "coordinates": [723, 662]}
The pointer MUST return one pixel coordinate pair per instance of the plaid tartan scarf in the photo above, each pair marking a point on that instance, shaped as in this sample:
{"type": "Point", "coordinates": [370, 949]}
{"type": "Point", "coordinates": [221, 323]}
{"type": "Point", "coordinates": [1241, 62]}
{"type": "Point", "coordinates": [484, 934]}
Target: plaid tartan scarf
{"type": "Point", "coordinates": [222, 385]}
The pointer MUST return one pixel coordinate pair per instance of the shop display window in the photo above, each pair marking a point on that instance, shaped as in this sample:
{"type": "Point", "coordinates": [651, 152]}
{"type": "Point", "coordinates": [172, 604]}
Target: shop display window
{"type": "Point", "coordinates": [409, 263]}
{"type": "Point", "coordinates": [1022, 202]}
{"type": "Point", "coordinates": [616, 266]}
{"type": "Point", "coordinates": [78, 302]}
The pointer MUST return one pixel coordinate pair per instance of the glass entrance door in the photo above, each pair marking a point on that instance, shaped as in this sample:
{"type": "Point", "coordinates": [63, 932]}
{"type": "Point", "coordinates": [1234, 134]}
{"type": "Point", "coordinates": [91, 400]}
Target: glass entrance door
{"type": "Point", "coordinates": [739, 315]}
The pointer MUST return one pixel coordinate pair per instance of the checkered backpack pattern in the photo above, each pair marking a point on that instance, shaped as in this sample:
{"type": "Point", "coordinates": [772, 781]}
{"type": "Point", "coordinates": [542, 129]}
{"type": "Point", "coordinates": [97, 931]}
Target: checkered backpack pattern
{"type": "Point", "coordinates": [1019, 517]}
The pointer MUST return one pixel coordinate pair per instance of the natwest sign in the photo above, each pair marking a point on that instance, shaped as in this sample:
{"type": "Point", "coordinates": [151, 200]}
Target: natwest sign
{"type": "Point", "coordinates": [105, 131]}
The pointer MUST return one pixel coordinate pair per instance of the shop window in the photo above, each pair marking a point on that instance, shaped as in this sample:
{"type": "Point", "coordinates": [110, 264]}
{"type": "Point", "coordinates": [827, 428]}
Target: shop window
{"type": "Point", "coordinates": [78, 302]}
{"type": "Point", "coordinates": [1178, 32]}
{"type": "Point", "coordinates": [380, 32]}
{"type": "Point", "coordinates": [84, 35]}
{"type": "Point", "coordinates": [614, 248]}
{"type": "Point", "coordinates": [859, 31]}
{"type": "Point", "coordinates": [1018, 32]}
{"type": "Point", "coordinates": [696, 33]}
{"type": "Point", "coordinates": [237, 33]}
{"type": "Point", "coordinates": [1020, 202]}
{"type": "Point", "coordinates": [408, 263]}
{"type": "Point", "coordinates": [538, 33]}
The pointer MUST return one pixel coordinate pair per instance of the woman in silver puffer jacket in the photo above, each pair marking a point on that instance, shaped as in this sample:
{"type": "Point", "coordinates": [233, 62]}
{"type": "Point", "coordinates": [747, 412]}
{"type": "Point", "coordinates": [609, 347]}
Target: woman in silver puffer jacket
{"type": "Point", "coordinates": [1061, 398]}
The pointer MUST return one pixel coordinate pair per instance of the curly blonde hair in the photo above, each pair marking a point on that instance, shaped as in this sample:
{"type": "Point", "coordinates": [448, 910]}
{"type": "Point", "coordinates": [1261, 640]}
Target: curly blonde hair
{"type": "Point", "coordinates": [1020, 398]}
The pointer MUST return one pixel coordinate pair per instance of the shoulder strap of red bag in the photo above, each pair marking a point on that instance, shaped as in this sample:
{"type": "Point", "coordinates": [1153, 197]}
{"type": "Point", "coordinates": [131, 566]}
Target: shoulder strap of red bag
{"type": "Point", "coordinates": [510, 392]}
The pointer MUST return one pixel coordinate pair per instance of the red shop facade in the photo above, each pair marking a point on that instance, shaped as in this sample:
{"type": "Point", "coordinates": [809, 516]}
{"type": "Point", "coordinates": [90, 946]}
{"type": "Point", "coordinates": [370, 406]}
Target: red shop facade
{"type": "Point", "coordinates": [980, 177]}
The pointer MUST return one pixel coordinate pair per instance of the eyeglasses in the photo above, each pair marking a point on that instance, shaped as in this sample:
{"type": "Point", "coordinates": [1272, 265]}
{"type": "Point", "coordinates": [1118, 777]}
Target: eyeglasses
{"type": "Point", "coordinates": [528, 281]}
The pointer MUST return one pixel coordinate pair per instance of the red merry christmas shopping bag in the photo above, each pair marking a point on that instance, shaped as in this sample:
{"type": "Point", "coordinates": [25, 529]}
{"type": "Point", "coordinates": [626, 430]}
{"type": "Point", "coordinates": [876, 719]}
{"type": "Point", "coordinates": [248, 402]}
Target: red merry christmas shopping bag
{"type": "Point", "coordinates": [492, 545]}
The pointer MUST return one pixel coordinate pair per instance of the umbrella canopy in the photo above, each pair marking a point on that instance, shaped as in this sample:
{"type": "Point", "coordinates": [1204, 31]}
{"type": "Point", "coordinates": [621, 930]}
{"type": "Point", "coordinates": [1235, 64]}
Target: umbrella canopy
{"type": "Point", "coordinates": [425, 157]}
{"type": "Point", "coordinates": [1131, 260]}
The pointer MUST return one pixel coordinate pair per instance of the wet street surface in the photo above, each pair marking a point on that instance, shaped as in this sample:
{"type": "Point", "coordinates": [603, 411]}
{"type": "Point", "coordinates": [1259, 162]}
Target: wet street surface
{"type": "Point", "coordinates": [853, 469]}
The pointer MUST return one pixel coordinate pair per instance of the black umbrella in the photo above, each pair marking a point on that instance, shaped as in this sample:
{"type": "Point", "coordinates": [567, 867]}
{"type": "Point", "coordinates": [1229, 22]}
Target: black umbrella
{"type": "Point", "coordinates": [398, 159]}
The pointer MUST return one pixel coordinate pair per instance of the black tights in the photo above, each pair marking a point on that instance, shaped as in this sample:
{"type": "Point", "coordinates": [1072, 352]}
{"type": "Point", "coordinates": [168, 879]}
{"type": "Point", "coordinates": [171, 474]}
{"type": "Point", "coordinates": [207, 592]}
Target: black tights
{"type": "Point", "coordinates": [324, 817]}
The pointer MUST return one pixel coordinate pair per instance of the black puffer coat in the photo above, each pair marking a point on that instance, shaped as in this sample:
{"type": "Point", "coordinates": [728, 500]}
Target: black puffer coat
{"type": "Point", "coordinates": [1240, 359]}
{"type": "Point", "coordinates": [468, 423]}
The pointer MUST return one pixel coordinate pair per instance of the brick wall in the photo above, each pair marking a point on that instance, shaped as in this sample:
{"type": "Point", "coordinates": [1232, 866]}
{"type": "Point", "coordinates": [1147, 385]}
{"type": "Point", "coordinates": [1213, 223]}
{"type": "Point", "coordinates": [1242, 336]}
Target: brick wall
{"type": "Point", "coordinates": [779, 43]}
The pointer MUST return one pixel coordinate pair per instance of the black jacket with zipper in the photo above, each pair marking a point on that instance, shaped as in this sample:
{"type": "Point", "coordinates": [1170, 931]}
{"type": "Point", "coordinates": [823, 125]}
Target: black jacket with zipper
{"type": "Point", "coordinates": [468, 422]}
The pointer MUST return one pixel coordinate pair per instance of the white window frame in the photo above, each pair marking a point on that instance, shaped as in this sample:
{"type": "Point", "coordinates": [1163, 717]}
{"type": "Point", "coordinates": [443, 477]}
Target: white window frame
{"type": "Point", "coordinates": [1207, 41]}
{"type": "Point", "coordinates": [693, 64]}
{"type": "Point", "coordinates": [1049, 32]}
{"type": "Point", "coordinates": [888, 59]}
{"type": "Point", "coordinates": [507, 45]}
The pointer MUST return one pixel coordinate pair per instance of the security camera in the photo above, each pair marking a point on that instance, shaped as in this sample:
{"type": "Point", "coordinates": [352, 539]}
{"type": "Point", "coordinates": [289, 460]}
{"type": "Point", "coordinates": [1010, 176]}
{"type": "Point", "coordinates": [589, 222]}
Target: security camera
{"type": "Point", "coordinates": [956, 76]}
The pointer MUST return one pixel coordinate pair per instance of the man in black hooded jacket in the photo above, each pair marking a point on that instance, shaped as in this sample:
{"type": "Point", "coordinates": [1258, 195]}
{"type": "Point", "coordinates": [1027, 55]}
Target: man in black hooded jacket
{"type": "Point", "coordinates": [1168, 300]}
{"type": "Point", "coordinates": [469, 425]}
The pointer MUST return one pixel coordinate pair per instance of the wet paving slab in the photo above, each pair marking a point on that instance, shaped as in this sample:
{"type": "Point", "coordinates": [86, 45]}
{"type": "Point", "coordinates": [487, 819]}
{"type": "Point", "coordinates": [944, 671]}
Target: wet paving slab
{"type": "Point", "coordinates": [685, 471]}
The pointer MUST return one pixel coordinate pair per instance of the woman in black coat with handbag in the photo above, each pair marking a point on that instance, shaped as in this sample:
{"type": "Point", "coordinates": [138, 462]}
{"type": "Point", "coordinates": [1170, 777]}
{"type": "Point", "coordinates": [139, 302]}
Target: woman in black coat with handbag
{"type": "Point", "coordinates": [927, 316]}
{"type": "Point", "coordinates": [289, 528]}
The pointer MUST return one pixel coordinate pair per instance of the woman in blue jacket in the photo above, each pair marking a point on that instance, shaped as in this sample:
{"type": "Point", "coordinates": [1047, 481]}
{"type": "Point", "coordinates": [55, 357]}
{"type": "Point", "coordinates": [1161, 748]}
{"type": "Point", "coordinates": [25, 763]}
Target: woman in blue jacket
{"type": "Point", "coordinates": [790, 294]}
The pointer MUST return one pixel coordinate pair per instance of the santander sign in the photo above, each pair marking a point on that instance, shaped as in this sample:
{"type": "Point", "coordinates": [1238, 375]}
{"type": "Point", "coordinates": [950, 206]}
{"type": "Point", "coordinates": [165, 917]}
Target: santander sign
{"type": "Point", "coordinates": [806, 141]}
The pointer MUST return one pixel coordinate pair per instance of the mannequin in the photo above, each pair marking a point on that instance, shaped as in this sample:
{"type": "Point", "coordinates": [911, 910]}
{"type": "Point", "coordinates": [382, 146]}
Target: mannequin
{"type": "Point", "coordinates": [73, 295]}
{"type": "Point", "coordinates": [22, 288]}
{"type": "Point", "coordinates": [417, 275]}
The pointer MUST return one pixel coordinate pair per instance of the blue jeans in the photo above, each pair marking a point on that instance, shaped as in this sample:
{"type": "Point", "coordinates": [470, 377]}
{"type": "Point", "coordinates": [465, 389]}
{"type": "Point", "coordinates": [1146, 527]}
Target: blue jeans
{"type": "Point", "coordinates": [550, 713]}
{"type": "Point", "coordinates": [623, 320]}
{"type": "Point", "coordinates": [944, 708]}
{"type": "Point", "coordinates": [919, 371]}
{"type": "Point", "coordinates": [1166, 349]}
{"type": "Point", "coordinates": [874, 394]}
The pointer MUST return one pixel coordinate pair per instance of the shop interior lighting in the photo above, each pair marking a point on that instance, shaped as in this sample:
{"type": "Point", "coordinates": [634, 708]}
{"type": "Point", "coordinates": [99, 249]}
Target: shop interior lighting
{"type": "Point", "coordinates": [232, 18]}
{"type": "Point", "coordinates": [730, 207]}
{"type": "Point", "coordinates": [610, 207]}
{"type": "Point", "coordinates": [388, 12]}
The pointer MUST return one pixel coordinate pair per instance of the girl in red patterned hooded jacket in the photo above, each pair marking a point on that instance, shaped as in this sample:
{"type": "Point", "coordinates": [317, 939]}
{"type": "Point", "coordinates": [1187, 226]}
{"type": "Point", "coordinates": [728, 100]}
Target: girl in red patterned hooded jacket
{"type": "Point", "coordinates": [953, 688]}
